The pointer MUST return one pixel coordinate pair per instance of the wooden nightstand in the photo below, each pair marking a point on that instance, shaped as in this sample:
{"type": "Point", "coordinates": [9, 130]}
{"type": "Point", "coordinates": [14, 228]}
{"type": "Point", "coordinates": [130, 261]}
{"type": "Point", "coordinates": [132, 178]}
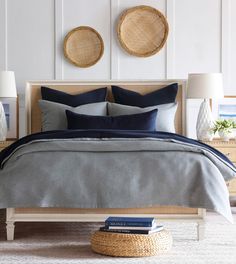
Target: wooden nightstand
{"type": "Point", "coordinates": [4, 144]}
{"type": "Point", "coordinates": [229, 149]}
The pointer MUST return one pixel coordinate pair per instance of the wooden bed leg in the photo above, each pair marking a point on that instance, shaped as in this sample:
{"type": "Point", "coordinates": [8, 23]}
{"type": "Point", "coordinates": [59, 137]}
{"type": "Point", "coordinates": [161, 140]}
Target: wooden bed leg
{"type": "Point", "coordinates": [10, 227]}
{"type": "Point", "coordinates": [10, 223]}
{"type": "Point", "coordinates": [200, 230]}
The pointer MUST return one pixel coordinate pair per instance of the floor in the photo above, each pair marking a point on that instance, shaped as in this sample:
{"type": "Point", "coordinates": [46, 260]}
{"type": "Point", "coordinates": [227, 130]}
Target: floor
{"type": "Point", "coordinates": [69, 243]}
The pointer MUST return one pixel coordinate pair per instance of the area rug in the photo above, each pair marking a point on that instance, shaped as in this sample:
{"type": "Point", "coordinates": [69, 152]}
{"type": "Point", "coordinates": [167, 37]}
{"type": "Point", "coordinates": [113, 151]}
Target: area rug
{"type": "Point", "coordinates": [57, 243]}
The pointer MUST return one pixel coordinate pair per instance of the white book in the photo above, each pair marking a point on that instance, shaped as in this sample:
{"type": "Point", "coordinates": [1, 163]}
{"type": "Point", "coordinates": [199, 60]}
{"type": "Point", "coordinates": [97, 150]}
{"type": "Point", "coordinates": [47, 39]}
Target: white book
{"type": "Point", "coordinates": [133, 227]}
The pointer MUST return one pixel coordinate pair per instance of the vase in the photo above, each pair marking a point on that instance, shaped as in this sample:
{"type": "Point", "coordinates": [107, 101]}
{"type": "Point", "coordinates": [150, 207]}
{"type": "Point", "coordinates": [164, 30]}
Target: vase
{"type": "Point", "coordinates": [204, 122]}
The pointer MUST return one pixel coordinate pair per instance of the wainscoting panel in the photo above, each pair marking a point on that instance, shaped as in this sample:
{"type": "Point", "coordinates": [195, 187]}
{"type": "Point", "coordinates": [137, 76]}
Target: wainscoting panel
{"type": "Point", "coordinates": [95, 14]}
{"type": "Point", "coordinates": [232, 50]}
{"type": "Point", "coordinates": [131, 67]}
{"type": "Point", "coordinates": [226, 48]}
{"type": "Point", "coordinates": [3, 33]}
{"type": "Point", "coordinates": [197, 36]}
{"type": "Point", "coordinates": [30, 40]}
{"type": "Point", "coordinates": [200, 37]}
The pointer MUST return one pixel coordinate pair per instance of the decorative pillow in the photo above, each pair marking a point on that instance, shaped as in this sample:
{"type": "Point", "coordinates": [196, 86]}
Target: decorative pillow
{"type": "Point", "coordinates": [165, 117]}
{"type": "Point", "coordinates": [95, 96]}
{"type": "Point", "coordinates": [54, 116]}
{"type": "Point", "coordinates": [163, 96]}
{"type": "Point", "coordinates": [144, 121]}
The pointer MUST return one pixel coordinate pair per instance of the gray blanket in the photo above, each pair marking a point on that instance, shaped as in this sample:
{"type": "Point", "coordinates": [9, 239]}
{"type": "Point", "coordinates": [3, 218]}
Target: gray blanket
{"type": "Point", "coordinates": [114, 173]}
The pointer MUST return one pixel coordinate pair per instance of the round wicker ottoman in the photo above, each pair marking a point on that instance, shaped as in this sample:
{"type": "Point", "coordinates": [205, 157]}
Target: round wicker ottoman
{"type": "Point", "coordinates": [131, 245]}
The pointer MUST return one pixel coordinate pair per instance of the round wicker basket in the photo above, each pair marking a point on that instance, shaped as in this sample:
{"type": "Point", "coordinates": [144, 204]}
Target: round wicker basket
{"type": "Point", "coordinates": [142, 31]}
{"type": "Point", "coordinates": [83, 46]}
{"type": "Point", "coordinates": [131, 245]}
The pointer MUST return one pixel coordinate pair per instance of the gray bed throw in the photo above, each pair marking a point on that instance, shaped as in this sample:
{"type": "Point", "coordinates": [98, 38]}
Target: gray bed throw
{"type": "Point", "coordinates": [114, 173]}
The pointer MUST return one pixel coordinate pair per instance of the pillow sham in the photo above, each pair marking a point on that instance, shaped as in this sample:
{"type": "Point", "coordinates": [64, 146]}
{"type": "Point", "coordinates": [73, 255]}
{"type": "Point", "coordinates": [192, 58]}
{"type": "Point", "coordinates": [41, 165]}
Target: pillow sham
{"type": "Point", "coordinates": [163, 96]}
{"type": "Point", "coordinates": [143, 121]}
{"type": "Point", "coordinates": [95, 96]}
{"type": "Point", "coordinates": [54, 116]}
{"type": "Point", "coordinates": [165, 117]}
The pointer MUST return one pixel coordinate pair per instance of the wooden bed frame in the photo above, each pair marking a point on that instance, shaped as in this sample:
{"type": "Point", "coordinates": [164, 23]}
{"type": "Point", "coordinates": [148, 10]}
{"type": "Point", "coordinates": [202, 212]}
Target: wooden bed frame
{"type": "Point", "coordinates": [33, 115]}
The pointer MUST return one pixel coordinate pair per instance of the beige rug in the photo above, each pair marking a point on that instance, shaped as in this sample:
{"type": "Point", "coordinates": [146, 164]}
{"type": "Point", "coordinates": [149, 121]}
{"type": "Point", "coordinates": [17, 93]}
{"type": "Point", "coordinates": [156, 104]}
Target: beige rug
{"type": "Point", "coordinates": [69, 243]}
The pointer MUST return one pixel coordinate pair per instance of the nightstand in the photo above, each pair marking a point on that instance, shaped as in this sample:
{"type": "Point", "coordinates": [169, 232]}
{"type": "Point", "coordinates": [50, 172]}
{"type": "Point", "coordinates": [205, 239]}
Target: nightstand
{"type": "Point", "coordinates": [229, 149]}
{"type": "Point", "coordinates": [4, 144]}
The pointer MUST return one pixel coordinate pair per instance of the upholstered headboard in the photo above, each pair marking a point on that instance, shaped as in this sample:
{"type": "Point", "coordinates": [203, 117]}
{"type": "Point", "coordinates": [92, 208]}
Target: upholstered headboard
{"type": "Point", "coordinates": [33, 94]}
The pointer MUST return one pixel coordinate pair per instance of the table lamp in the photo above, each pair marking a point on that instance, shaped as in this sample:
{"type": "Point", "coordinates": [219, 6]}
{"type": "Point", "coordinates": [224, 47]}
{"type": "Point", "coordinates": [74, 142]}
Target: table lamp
{"type": "Point", "coordinates": [205, 86]}
{"type": "Point", "coordinates": [7, 89]}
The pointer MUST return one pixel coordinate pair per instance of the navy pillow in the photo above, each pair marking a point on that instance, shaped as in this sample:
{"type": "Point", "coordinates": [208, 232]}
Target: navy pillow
{"type": "Point", "coordinates": [95, 96]}
{"type": "Point", "coordinates": [143, 121]}
{"type": "Point", "coordinates": [163, 96]}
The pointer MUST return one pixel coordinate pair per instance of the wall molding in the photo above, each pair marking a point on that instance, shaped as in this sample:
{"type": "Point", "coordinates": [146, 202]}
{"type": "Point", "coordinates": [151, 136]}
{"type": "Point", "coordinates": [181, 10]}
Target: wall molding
{"type": "Point", "coordinates": [115, 51]}
{"type": "Point", "coordinates": [226, 41]}
{"type": "Point", "coordinates": [170, 45]}
{"type": "Point", "coordinates": [58, 37]}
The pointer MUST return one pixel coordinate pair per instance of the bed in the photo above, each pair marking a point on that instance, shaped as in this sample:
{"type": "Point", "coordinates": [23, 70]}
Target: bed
{"type": "Point", "coordinates": [73, 214]}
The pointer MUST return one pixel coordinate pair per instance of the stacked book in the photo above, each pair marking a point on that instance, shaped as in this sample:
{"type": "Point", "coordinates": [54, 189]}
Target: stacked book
{"type": "Point", "coordinates": [131, 225]}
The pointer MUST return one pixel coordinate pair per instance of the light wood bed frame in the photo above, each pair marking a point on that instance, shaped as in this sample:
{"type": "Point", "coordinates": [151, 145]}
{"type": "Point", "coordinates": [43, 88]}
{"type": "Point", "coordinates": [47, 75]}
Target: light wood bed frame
{"type": "Point", "coordinates": [33, 115]}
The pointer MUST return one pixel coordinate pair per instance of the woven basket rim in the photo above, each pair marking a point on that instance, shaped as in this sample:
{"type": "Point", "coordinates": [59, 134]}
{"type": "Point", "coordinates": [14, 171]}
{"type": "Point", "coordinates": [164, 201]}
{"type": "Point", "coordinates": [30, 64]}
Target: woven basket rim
{"type": "Point", "coordinates": [133, 9]}
{"type": "Point", "coordinates": [66, 39]}
{"type": "Point", "coordinates": [131, 245]}
{"type": "Point", "coordinates": [145, 236]}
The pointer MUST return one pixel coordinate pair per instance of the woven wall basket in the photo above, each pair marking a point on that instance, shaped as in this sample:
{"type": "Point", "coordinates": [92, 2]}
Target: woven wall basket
{"type": "Point", "coordinates": [83, 46]}
{"type": "Point", "coordinates": [142, 31]}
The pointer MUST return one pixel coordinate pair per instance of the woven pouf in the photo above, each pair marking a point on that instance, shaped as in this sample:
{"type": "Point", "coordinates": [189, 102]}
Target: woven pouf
{"type": "Point", "coordinates": [131, 245]}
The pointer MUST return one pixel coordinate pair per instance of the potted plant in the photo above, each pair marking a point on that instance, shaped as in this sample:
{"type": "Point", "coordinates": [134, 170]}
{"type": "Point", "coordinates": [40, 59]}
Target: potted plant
{"type": "Point", "coordinates": [224, 128]}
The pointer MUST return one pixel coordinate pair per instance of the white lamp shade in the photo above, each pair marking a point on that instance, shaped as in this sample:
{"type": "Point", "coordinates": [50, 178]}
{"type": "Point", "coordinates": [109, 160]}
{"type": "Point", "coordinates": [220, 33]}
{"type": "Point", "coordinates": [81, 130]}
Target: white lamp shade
{"type": "Point", "coordinates": [7, 84]}
{"type": "Point", "coordinates": [205, 85]}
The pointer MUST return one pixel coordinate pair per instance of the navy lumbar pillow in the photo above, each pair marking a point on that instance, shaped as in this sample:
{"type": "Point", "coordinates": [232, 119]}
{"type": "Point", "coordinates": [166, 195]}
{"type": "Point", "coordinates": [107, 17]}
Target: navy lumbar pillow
{"type": "Point", "coordinates": [143, 121]}
{"type": "Point", "coordinates": [162, 96]}
{"type": "Point", "coordinates": [95, 96]}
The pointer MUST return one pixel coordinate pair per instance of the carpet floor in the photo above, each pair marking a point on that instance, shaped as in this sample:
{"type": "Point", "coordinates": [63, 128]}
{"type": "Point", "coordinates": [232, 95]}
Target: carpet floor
{"type": "Point", "coordinates": [57, 243]}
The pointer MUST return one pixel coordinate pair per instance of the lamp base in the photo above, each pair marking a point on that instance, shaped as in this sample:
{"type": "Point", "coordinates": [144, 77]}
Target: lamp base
{"type": "Point", "coordinates": [204, 122]}
{"type": "Point", "coordinates": [3, 124]}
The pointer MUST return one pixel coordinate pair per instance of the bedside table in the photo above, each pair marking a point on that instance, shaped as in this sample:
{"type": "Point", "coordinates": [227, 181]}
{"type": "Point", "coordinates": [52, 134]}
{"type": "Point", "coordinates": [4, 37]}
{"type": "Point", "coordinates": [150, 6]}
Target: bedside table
{"type": "Point", "coordinates": [4, 144]}
{"type": "Point", "coordinates": [229, 149]}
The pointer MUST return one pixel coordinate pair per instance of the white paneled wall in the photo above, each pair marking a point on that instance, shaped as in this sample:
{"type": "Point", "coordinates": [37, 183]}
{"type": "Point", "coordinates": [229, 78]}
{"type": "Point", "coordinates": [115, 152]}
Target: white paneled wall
{"type": "Point", "coordinates": [197, 36]}
{"type": "Point", "coordinates": [3, 43]}
{"type": "Point", "coordinates": [30, 39]}
{"type": "Point", "coordinates": [91, 13]}
{"type": "Point", "coordinates": [201, 39]}
{"type": "Point", "coordinates": [130, 67]}
{"type": "Point", "coordinates": [231, 45]}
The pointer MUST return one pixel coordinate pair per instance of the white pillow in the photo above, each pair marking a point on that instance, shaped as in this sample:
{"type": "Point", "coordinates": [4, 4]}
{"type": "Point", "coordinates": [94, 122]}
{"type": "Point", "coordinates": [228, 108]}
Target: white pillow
{"type": "Point", "coordinates": [165, 115]}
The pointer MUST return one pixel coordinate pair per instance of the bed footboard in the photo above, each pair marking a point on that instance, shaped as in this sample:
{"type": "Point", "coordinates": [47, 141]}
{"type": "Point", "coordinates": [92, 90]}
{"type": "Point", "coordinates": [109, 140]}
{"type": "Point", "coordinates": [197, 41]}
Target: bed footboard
{"type": "Point", "coordinates": [165, 213]}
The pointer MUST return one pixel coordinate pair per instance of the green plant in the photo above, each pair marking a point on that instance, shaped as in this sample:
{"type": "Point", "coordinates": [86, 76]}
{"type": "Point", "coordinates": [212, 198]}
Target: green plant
{"type": "Point", "coordinates": [225, 125]}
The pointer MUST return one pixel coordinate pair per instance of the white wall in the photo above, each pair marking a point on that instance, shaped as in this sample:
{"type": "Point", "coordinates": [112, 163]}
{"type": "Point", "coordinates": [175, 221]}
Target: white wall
{"type": "Point", "coordinates": [201, 39]}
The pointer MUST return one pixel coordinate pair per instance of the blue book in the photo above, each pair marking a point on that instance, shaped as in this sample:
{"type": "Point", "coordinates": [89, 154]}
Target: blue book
{"type": "Point", "coordinates": [130, 221]}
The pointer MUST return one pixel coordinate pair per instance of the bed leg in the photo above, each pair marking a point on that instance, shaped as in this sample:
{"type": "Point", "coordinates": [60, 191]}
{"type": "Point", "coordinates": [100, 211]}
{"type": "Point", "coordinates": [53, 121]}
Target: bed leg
{"type": "Point", "coordinates": [200, 231]}
{"type": "Point", "coordinates": [10, 227]}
